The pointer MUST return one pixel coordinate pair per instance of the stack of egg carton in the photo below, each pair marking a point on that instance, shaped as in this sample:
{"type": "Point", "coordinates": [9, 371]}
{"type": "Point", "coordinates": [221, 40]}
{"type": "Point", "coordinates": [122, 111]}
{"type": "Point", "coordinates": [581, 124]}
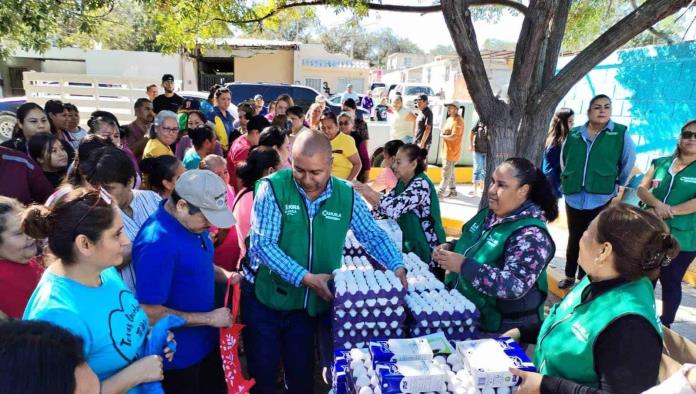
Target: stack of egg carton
{"type": "Point", "coordinates": [368, 304]}
{"type": "Point", "coordinates": [356, 371]}
{"type": "Point", "coordinates": [433, 308]}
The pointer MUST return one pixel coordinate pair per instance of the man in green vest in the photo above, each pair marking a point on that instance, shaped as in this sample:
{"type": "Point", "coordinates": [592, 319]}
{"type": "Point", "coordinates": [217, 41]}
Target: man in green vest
{"type": "Point", "coordinates": [299, 224]}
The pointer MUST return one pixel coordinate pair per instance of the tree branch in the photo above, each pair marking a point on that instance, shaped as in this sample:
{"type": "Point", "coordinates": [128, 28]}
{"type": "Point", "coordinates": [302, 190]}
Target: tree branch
{"type": "Point", "coordinates": [555, 39]}
{"type": "Point", "coordinates": [458, 20]}
{"type": "Point", "coordinates": [649, 13]}
{"type": "Point", "coordinates": [530, 44]}
{"type": "Point", "coordinates": [661, 35]}
{"type": "Point", "coordinates": [377, 7]}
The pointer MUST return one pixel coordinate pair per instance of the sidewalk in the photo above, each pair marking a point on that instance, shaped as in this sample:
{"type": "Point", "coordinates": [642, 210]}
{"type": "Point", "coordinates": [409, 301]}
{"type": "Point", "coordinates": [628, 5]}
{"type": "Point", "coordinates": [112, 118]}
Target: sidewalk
{"type": "Point", "coordinates": [461, 208]}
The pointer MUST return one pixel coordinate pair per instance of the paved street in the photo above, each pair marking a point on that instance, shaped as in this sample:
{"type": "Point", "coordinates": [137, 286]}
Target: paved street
{"type": "Point", "coordinates": [463, 207]}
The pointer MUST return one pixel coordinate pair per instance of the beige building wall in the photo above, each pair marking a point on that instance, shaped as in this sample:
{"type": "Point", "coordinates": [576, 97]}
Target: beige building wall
{"type": "Point", "coordinates": [277, 66]}
{"type": "Point", "coordinates": [337, 77]}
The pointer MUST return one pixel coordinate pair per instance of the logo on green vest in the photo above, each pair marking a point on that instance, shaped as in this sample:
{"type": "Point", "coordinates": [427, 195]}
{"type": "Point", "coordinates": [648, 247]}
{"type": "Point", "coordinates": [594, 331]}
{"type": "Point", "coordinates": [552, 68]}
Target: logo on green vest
{"type": "Point", "coordinates": [474, 228]}
{"type": "Point", "coordinates": [580, 331]}
{"type": "Point", "coordinates": [612, 133]}
{"type": "Point", "coordinates": [687, 179]}
{"type": "Point", "coordinates": [292, 209]}
{"type": "Point", "coordinates": [331, 215]}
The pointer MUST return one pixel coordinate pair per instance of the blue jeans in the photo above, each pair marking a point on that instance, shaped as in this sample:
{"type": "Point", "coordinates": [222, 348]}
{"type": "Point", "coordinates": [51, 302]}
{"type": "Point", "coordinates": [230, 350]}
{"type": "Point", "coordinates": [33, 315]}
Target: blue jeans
{"type": "Point", "coordinates": [271, 336]}
{"type": "Point", "coordinates": [479, 166]}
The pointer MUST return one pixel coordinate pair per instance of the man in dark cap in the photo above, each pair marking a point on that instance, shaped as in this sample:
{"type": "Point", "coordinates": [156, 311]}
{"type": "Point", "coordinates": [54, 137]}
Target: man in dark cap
{"type": "Point", "coordinates": [169, 100]}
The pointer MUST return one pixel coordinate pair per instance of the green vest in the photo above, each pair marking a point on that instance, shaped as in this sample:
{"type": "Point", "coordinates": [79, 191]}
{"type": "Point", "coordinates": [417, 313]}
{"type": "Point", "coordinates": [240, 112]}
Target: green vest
{"type": "Point", "coordinates": [413, 236]}
{"type": "Point", "coordinates": [595, 171]}
{"type": "Point", "coordinates": [488, 248]}
{"type": "Point", "coordinates": [674, 191]}
{"type": "Point", "coordinates": [566, 340]}
{"type": "Point", "coordinates": [316, 244]}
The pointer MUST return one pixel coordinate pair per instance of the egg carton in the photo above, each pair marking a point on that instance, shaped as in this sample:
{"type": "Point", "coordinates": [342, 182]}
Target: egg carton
{"type": "Point", "coordinates": [354, 373]}
{"type": "Point", "coordinates": [358, 304]}
{"type": "Point", "coordinates": [356, 285]}
{"type": "Point", "coordinates": [376, 315]}
{"type": "Point", "coordinates": [453, 333]}
{"type": "Point", "coordinates": [360, 338]}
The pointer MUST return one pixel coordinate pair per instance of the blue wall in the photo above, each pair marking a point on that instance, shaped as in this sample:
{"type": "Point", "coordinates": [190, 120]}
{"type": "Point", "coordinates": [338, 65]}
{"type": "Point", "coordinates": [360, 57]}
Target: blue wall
{"type": "Point", "coordinates": [653, 90]}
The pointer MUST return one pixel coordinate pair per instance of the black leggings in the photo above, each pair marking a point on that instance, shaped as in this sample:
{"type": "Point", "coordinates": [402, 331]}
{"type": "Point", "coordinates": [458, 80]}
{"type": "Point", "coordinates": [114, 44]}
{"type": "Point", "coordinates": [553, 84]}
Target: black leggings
{"type": "Point", "coordinates": [671, 280]}
{"type": "Point", "coordinates": [578, 221]}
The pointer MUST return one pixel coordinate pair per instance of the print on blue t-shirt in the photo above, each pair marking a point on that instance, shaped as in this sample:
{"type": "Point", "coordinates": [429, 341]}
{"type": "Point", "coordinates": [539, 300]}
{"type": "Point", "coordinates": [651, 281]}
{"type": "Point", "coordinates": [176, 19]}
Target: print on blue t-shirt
{"type": "Point", "coordinates": [108, 318]}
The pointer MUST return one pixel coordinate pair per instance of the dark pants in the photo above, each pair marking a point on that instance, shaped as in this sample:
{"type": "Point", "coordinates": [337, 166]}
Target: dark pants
{"type": "Point", "coordinates": [671, 278]}
{"type": "Point", "coordinates": [578, 221]}
{"type": "Point", "coordinates": [206, 377]}
{"type": "Point", "coordinates": [272, 336]}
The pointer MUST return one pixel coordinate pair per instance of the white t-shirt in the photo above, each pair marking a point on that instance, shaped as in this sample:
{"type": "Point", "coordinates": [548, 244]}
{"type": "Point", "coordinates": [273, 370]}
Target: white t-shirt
{"type": "Point", "coordinates": [76, 137]}
{"type": "Point", "coordinates": [400, 126]}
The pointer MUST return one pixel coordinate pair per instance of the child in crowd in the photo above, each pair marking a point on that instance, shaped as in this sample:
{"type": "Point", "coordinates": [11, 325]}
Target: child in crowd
{"type": "Point", "coordinates": [49, 153]}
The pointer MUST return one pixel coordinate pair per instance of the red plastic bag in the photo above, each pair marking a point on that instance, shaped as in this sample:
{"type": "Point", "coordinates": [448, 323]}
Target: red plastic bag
{"type": "Point", "coordinates": [229, 348]}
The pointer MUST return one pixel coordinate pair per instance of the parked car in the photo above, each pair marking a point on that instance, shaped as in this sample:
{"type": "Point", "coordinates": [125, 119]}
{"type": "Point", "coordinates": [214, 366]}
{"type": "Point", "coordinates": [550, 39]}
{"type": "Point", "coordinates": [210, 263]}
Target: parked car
{"type": "Point", "coordinates": [334, 104]}
{"type": "Point", "coordinates": [376, 85]}
{"type": "Point", "coordinates": [202, 96]}
{"type": "Point", "coordinates": [410, 92]}
{"type": "Point", "coordinates": [8, 116]}
{"type": "Point", "coordinates": [245, 91]}
{"type": "Point", "coordinates": [379, 132]}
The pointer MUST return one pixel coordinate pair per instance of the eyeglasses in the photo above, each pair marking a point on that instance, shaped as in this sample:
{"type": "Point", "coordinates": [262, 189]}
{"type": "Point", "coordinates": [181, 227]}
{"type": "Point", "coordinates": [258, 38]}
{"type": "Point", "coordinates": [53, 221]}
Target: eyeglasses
{"type": "Point", "coordinates": [169, 130]}
{"type": "Point", "coordinates": [687, 135]}
{"type": "Point", "coordinates": [103, 197]}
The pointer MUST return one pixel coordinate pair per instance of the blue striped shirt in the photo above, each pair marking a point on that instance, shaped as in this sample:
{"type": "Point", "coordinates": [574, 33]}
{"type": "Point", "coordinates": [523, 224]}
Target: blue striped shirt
{"type": "Point", "coordinates": [144, 204]}
{"type": "Point", "coordinates": [585, 200]}
{"type": "Point", "coordinates": [266, 219]}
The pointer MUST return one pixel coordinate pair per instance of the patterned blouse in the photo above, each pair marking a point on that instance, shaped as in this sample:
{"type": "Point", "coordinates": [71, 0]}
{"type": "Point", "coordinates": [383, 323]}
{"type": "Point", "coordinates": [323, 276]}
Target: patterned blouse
{"type": "Point", "coordinates": [415, 198]}
{"type": "Point", "coordinates": [527, 252]}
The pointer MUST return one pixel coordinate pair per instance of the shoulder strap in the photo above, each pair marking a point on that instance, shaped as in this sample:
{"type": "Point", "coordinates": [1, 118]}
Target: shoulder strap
{"type": "Point", "coordinates": [239, 197]}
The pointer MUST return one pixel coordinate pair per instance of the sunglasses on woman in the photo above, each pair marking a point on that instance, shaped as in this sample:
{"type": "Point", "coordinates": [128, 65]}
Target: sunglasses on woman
{"type": "Point", "coordinates": [686, 135]}
{"type": "Point", "coordinates": [104, 200]}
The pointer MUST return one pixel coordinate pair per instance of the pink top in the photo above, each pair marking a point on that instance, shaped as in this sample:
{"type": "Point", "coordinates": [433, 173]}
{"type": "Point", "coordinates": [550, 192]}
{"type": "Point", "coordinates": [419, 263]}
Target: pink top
{"type": "Point", "coordinates": [238, 153]}
{"type": "Point", "coordinates": [227, 253]}
{"type": "Point", "coordinates": [387, 179]}
{"type": "Point", "coordinates": [242, 214]}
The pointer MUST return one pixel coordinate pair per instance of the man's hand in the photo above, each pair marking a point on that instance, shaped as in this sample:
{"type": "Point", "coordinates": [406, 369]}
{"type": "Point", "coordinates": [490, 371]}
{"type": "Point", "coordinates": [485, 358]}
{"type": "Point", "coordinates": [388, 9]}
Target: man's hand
{"type": "Point", "coordinates": [319, 283]}
{"type": "Point", "coordinates": [401, 274]}
{"type": "Point", "coordinates": [448, 260]}
{"type": "Point", "coordinates": [220, 318]}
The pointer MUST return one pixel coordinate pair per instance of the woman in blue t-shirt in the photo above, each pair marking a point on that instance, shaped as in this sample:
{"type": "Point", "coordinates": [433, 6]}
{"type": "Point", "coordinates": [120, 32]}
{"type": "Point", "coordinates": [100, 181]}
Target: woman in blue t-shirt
{"type": "Point", "coordinates": [82, 292]}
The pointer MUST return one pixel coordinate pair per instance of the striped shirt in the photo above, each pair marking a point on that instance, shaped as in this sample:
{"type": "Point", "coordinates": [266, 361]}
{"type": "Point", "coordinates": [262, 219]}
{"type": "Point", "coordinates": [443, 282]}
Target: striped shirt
{"type": "Point", "coordinates": [144, 203]}
{"type": "Point", "coordinates": [266, 220]}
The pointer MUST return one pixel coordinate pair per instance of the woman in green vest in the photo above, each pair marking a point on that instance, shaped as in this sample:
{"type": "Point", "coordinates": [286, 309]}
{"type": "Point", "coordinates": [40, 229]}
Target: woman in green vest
{"type": "Point", "coordinates": [413, 203]}
{"type": "Point", "coordinates": [669, 190]}
{"type": "Point", "coordinates": [596, 158]}
{"type": "Point", "coordinates": [604, 336]}
{"type": "Point", "coordinates": [499, 263]}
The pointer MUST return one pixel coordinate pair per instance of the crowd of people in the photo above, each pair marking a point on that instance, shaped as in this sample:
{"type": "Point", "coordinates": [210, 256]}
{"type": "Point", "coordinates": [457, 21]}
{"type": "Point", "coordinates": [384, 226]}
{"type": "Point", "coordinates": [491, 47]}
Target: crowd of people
{"type": "Point", "coordinates": [107, 233]}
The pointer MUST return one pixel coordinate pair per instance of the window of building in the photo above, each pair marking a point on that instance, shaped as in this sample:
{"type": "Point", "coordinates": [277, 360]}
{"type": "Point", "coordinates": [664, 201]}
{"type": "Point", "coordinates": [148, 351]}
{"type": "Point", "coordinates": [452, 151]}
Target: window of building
{"type": "Point", "coordinates": [314, 83]}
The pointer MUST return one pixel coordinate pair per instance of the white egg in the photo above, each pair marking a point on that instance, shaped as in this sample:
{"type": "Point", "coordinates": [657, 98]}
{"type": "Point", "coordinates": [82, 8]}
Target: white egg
{"type": "Point", "coordinates": [362, 381]}
{"type": "Point", "coordinates": [365, 390]}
